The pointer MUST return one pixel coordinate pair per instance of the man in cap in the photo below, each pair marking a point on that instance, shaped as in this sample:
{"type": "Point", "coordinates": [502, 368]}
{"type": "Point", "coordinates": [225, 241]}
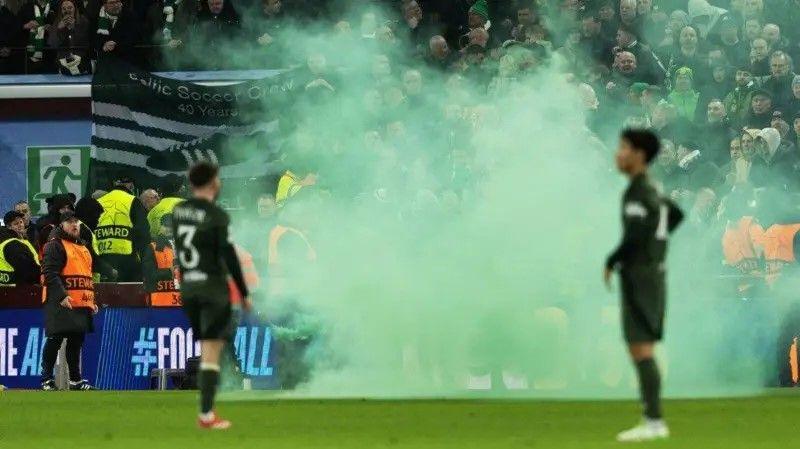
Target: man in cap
{"type": "Point", "coordinates": [761, 109]}
{"type": "Point", "coordinates": [122, 230]}
{"type": "Point", "coordinates": [24, 208]}
{"type": "Point", "coordinates": [69, 302]}
{"type": "Point", "coordinates": [19, 263]}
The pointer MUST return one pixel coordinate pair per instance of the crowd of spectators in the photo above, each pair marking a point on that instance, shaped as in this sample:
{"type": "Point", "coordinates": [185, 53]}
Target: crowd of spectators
{"type": "Point", "coordinates": [715, 80]}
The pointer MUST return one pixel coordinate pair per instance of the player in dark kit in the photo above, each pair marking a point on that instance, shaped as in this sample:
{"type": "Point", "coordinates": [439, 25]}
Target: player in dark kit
{"type": "Point", "coordinates": [206, 258]}
{"type": "Point", "coordinates": [648, 219]}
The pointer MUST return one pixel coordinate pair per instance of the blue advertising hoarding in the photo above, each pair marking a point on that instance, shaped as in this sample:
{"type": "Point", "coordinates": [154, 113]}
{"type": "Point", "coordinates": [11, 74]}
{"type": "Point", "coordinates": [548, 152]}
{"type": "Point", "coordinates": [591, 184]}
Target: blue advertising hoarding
{"type": "Point", "coordinates": [127, 344]}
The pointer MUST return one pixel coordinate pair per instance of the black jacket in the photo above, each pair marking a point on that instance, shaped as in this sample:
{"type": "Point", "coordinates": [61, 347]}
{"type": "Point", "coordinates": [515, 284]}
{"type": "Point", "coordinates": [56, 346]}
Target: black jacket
{"type": "Point", "coordinates": [781, 90]}
{"type": "Point", "coordinates": [45, 224]}
{"type": "Point", "coordinates": [716, 140]}
{"type": "Point", "coordinates": [59, 320]}
{"type": "Point", "coordinates": [758, 121]}
{"type": "Point", "coordinates": [88, 210]}
{"type": "Point", "coordinates": [43, 227]}
{"type": "Point", "coordinates": [212, 33]}
{"type": "Point", "coordinates": [760, 68]}
{"type": "Point", "coordinates": [26, 269]}
{"type": "Point", "coordinates": [125, 33]}
{"type": "Point", "coordinates": [10, 36]}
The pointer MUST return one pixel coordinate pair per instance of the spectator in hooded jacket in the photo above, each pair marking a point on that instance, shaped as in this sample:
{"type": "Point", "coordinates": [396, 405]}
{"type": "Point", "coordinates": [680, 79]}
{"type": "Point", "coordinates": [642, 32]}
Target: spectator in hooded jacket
{"type": "Point", "coordinates": [772, 167]}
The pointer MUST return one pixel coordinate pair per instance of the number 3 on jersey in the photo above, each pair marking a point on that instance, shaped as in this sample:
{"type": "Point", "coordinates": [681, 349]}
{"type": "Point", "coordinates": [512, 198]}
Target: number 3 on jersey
{"type": "Point", "coordinates": [188, 254]}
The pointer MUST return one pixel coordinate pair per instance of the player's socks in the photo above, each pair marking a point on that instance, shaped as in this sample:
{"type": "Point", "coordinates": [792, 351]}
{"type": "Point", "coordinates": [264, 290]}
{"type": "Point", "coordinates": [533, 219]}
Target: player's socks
{"type": "Point", "coordinates": [650, 388]}
{"type": "Point", "coordinates": [208, 380]}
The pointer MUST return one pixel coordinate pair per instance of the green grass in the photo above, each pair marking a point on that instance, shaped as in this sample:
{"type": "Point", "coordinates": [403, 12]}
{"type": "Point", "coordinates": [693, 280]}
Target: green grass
{"type": "Point", "coordinates": [144, 420]}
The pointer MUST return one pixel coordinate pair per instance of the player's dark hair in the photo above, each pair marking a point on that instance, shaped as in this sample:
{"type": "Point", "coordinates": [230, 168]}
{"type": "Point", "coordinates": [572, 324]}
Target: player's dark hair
{"type": "Point", "coordinates": [643, 140]}
{"type": "Point", "coordinates": [202, 173]}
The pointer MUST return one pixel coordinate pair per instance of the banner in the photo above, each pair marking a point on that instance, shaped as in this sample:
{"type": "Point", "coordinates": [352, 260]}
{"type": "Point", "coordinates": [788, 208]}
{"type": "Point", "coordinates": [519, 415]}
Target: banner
{"type": "Point", "coordinates": [147, 126]}
{"type": "Point", "coordinates": [56, 170]}
{"type": "Point", "coordinates": [128, 343]}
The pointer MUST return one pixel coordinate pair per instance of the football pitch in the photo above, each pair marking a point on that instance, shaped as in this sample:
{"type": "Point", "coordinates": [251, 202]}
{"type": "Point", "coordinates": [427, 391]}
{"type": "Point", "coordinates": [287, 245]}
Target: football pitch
{"type": "Point", "coordinates": [144, 420]}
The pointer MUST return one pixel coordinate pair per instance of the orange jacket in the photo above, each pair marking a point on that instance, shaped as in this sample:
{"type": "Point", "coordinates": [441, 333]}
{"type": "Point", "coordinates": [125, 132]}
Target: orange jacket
{"type": "Point", "coordinates": [166, 294]}
{"type": "Point", "coordinates": [778, 244]}
{"type": "Point", "coordinates": [77, 276]}
{"type": "Point", "coordinates": [277, 274]}
{"type": "Point", "coordinates": [739, 244]}
{"type": "Point", "coordinates": [250, 275]}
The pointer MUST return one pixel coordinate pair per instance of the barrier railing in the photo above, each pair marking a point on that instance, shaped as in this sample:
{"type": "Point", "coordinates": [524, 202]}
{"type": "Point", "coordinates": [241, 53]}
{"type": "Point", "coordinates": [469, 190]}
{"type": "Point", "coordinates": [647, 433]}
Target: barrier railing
{"type": "Point", "coordinates": [128, 294]}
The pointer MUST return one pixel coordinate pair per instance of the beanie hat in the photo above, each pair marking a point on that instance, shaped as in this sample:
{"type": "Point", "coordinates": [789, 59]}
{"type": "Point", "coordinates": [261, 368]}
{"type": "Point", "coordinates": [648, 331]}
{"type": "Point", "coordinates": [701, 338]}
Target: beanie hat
{"type": "Point", "coordinates": [66, 216]}
{"type": "Point", "coordinates": [480, 8]}
{"type": "Point", "coordinates": [685, 71]}
{"type": "Point", "coordinates": [57, 202]}
{"type": "Point", "coordinates": [11, 216]}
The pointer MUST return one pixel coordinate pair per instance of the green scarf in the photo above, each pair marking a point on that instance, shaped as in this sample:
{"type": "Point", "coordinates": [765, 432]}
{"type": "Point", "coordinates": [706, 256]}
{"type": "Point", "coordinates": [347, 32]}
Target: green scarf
{"type": "Point", "coordinates": [169, 17]}
{"type": "Point", "coordinates": [105, 22]}
{"type": "Point", "coordinates": [36, 37]}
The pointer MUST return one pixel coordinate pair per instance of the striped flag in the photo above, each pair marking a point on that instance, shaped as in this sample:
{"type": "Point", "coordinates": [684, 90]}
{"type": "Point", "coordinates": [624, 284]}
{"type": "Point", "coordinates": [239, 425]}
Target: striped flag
{"type": "Point", "coordinates": [148, 126]}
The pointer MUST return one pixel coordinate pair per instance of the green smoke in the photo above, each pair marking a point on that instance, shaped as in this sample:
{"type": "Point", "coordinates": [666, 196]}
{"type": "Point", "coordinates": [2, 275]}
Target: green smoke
{"type": "Point", "coordinates": [461, 232]}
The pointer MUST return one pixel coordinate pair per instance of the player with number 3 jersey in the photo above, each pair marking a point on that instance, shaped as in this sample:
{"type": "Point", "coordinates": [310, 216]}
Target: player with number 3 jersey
{"type": "Point", "coordinates": [206, 258]}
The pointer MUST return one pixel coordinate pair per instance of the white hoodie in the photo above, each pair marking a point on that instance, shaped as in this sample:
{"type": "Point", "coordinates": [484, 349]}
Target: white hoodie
{"type": "Point", "coordinates": [773, 139]}
{"type": "Point", "coordinates": [699, 8]}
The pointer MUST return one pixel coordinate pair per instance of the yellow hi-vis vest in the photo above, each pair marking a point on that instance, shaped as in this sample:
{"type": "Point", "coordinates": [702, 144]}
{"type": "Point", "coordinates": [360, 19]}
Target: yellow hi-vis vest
{"type": "Point", "coordinates": [114, 227]}
{"type": "Point", "coordinates": [163, 207]}
{"type": "Point", "coordinates": [288, 185]}
{"type": "Point", "coordinates": [6, 270]}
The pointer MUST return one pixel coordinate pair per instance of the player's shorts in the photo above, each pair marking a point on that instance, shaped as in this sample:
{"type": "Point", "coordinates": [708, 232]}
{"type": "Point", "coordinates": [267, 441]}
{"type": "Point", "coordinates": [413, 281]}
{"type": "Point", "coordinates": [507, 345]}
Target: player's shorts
{"type": "Point", "coordinates": [643, 305]}
{"type": "Point", "coordinates": [211, 318]}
